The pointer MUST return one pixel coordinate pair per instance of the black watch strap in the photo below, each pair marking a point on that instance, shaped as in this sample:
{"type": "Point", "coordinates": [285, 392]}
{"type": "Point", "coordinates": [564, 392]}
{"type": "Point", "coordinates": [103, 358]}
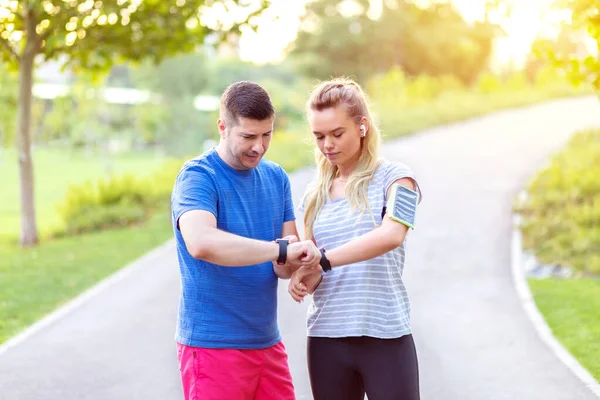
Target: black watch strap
{"type": "Point", "coordinates": [325, 264]}
{"type": "Point", "coordinates": [283, 244]}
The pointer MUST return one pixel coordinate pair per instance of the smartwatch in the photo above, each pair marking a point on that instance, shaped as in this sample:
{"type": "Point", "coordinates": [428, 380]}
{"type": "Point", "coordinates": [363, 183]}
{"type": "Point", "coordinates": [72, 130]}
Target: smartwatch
{"type": "Point", "coordinates": [325, 264]}
{"type": "Point", "coordinates": [283, 244]}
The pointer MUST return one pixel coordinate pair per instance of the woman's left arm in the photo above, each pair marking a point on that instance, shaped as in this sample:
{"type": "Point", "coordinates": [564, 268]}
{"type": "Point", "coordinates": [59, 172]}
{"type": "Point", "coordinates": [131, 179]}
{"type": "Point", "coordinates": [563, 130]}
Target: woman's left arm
{"type": "Point", "coordinates": [379, 241]}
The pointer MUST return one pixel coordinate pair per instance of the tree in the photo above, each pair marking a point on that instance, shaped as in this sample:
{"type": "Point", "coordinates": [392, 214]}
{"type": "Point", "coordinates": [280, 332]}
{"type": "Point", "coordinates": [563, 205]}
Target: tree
{"type": "Point", "coordinates": [433, 40]}
{"type": "Point", "coordinates": [93, 35]}
{"type": "Point", "coordinates": [581, 65]}
{"type": "Point", "coordinates": [176, 82]}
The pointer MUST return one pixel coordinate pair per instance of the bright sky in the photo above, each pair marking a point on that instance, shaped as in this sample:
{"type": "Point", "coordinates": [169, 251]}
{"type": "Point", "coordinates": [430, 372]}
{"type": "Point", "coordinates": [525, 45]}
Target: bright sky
{"type": "Point", "coordinates": [527, 19]}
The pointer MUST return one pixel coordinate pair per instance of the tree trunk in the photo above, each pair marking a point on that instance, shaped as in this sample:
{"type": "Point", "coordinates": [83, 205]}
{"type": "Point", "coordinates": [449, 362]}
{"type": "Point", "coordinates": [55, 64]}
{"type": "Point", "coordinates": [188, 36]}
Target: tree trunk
{"type": "Point", "coordinates": [29, 233]}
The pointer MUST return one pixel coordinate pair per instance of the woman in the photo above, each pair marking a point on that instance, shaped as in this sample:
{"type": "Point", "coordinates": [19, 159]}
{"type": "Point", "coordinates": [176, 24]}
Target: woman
{"type": "Point", "coordinates": [358, 210]}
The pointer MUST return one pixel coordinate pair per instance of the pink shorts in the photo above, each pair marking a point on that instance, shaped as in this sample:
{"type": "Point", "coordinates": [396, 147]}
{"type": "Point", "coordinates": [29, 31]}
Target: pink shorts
{"type": "Point", "coordinates": [227, 374]}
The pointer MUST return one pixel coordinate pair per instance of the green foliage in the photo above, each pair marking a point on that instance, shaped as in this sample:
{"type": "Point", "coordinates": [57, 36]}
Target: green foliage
{"type": "Point", "coordinates": [76, 118]}
{"type": "Point", "coordinates": [106, 203]}
{"type": "Point", "coordinates": [170, 119]}
{"type": "Point", "coordinates": [292, 150]}
{"type": "Point", "coordinates": [488, 83]}
{"type": "Point", "coordinates": [561, 215]}
{"type": "Point", "coordinates": [567, 53]}
{"type": "Point", "coordinates": [403, 104]}
{"type": "Point", "coordinates": [517, 81]}
{"type": "Point", "coordinates": [433, 40]}
{"type": "Point", "coordinates": [103, 218]}
{"type": "Point", "coordinates": [289, 101]}
{"type": "Point", "coordinates": [93, 35]}
{"type": "Point", "coordinates": [182, 75]}
{"type": "Point", "coordinates": [223, 71]}
{"type": "Point", "coordinates": [185, 128]}
{"type": "Point", "coordinates": [116, 200]}
{"type": "Point", "coordinates": [160, 183]}
{"type": "Point", "coordinates": [148, 122]}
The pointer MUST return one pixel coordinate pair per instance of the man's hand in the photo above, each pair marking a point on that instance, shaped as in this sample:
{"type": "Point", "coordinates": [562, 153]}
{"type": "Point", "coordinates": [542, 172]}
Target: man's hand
{"type": "Point", "coordinates": [304, 281]}
{"type": "Point", "coordinates": [303, 253]}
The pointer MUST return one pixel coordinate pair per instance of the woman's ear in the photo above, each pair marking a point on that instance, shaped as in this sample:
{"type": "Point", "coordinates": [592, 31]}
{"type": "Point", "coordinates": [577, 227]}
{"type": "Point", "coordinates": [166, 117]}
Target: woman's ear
{"type": "Point", "coordinates": [363, 127]}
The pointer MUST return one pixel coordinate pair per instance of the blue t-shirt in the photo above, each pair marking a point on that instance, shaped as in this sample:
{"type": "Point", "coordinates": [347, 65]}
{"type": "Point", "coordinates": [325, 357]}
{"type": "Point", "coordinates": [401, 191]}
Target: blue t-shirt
{"type": "Point", "coordinates": [230, 307]}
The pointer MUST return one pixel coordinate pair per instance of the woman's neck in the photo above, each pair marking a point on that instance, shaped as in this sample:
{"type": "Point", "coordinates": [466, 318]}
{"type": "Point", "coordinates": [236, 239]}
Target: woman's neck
{"type": "Point", "coordinates": [344, 171]}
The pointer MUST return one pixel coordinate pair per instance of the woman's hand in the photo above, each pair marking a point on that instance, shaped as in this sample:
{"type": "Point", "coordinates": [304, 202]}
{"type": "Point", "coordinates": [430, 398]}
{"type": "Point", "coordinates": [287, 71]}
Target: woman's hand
{"type": "Point", "coordinates": [304, 281]}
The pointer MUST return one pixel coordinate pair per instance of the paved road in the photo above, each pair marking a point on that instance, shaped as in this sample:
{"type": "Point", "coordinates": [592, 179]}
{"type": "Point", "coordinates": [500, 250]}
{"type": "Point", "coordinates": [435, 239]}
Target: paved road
{"type": "Point", "coordinates": [473, 339]}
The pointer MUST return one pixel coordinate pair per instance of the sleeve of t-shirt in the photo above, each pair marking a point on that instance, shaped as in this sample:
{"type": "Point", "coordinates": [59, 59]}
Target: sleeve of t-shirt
{"type": "Point", "coordinates": [396, 171]}
{"type": "Point", "coordinates": [288, 211]}
{"type": "Point", "coordinates": [194, 190]}
{"type": "Point", "coordinates": [300, 207]}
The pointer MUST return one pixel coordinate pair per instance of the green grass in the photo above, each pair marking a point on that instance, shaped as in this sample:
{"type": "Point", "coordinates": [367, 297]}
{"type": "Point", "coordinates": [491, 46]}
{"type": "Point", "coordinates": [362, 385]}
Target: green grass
{"type": "Point", "coordinates": [572, 310]}
{"type": "Point", "coordinates": [54, 171]}
{"type": "Point", "coordinates": [35, 281]}
{"type": "Point", "coordinates": [457, 106]}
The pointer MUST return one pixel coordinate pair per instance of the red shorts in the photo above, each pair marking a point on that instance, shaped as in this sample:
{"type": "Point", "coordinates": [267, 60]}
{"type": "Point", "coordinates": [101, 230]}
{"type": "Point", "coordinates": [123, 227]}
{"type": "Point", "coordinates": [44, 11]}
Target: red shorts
{"type": "Point", "coordinates": [227, 374]}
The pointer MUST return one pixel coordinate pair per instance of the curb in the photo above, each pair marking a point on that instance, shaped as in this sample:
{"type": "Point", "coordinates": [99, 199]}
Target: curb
{"type": "Point", "coordinates": [86, 296]}
{"type": "Point", "coordinates": [539, 323]}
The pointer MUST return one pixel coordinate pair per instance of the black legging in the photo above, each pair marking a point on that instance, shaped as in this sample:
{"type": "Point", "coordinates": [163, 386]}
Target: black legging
{"type": "Point", "coordinates": [346, 368]}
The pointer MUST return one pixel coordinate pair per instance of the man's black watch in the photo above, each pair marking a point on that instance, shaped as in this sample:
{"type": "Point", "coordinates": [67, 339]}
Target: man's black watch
{"type": "Point", "coordinates": [283, 245]}
{"type": "Point", "coordinates": [325, 264]}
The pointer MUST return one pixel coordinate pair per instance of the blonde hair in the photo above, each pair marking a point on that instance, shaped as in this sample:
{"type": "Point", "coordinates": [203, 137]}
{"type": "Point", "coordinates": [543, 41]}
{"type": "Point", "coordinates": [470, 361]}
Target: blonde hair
{"type": "Point", "coordinates": [329, 94]}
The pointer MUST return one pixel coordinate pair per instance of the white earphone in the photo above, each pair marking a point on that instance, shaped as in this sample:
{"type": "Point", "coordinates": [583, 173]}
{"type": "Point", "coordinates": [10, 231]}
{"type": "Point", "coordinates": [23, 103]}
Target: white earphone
{"type": "Point", "coordinates": [363, 130]}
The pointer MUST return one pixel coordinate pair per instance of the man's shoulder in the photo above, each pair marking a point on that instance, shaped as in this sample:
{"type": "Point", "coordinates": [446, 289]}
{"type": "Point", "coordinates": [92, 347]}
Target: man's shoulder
{"type": "Point", "coordinates": [204, 162]}
{"type": "Point", "coordinates": [271, 167]}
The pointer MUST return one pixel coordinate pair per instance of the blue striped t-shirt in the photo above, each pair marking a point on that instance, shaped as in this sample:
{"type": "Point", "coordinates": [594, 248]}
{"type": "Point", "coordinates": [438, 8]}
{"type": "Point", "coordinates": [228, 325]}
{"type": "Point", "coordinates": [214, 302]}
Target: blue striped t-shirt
{"type": "Point", "coordinates": [230, 307]}
{"type": "Point", "coordinates": [367, 298]}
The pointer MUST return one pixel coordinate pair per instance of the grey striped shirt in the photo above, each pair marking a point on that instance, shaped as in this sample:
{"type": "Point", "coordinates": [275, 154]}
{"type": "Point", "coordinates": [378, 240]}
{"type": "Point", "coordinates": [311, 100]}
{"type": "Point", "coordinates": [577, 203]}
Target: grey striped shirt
{"type": "Point", "coordinates": [366, 298]}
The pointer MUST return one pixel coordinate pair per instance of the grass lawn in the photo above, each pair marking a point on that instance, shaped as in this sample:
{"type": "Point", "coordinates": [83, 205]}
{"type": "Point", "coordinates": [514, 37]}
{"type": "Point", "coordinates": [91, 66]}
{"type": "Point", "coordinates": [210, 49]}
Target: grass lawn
{"type": "Point", "coordinates": [572, 310]}
{"type": "Point", "coordinates": [54, 171]}
{"type": "Point", "coordinates": [35, 281]}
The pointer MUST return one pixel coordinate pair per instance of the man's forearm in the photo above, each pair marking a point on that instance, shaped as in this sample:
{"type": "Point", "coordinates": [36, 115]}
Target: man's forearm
{"type": "Point", "coordinates": [223, 248]}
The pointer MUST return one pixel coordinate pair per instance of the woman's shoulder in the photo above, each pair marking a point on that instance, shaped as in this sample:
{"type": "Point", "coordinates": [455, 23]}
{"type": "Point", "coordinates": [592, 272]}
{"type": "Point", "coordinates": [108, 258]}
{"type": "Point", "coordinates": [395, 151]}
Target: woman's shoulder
{"type": "Point", "coordinates": [387, 168]}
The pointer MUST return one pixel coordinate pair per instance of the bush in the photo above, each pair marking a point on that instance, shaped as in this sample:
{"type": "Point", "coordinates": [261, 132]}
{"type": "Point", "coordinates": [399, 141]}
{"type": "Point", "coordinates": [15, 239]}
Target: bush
{"type": "Point", "coordinates": [117, 200]}
{"type": "Point", "coordinates": [97, 218]}
{"type": "Point", "coordinates": [517, 81]}
{"type": "Point", "coordinates": [561, 215]}
{"type": "Point", "coordinates": [488, 83]}
{"type": "Point", "coordinates": [105, 203]}
{"type": "Point", "coordinates": [159, 184]}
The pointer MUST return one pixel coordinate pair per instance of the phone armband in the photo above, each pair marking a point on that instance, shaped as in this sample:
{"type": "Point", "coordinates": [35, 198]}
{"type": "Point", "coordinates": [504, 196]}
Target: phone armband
{"type": "Point", "coordinates": [402, 205]}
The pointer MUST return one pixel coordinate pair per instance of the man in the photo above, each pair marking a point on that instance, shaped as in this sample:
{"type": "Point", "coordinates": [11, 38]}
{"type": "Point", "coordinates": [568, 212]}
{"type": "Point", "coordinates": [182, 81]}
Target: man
{"type": "Point", "coordinates": [230, 207]}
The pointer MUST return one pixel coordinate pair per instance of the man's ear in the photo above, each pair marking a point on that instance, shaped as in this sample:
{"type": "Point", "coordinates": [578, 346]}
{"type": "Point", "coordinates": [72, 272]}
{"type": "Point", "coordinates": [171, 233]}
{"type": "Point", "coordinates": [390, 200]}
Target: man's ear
{"type": "Point", "coordinates": [222, 128]}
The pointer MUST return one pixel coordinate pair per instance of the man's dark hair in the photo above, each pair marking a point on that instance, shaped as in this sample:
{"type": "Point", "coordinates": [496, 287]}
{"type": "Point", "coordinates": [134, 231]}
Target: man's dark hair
{"type": "Point", "coordinates": [247, 100]}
